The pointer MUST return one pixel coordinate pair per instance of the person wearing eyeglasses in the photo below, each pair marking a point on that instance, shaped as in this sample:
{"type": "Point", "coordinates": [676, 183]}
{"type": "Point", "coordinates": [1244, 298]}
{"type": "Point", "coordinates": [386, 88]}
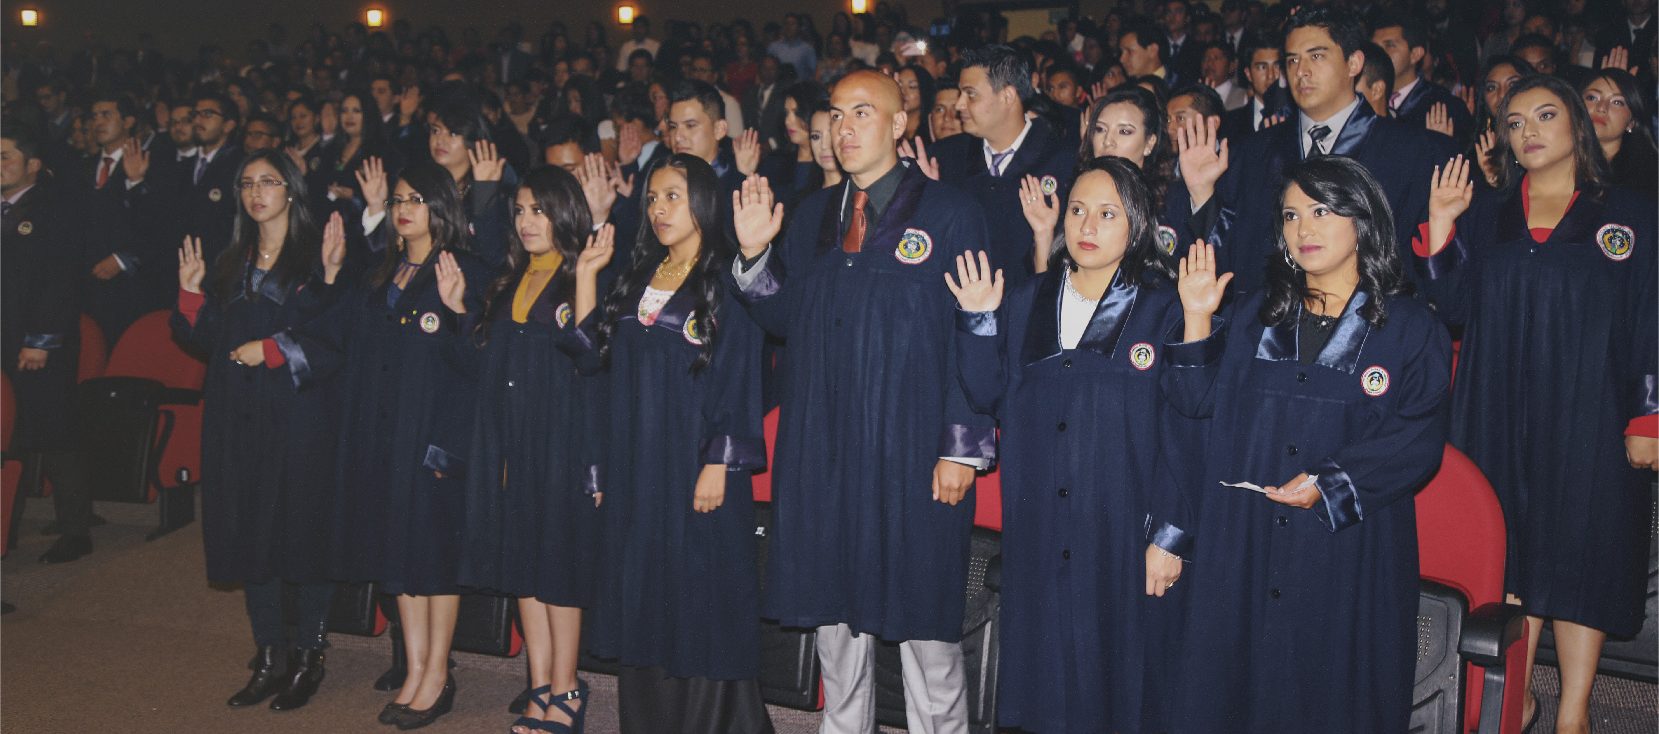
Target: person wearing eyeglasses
{"type": "Point", "coordinates": [268, 435]}
{"type": "Point", "coordinates": [407, 402]}
{"type": "Point", "coordinates": [259, 133]}
{"type": "Point", "coordinates": [201, 193]}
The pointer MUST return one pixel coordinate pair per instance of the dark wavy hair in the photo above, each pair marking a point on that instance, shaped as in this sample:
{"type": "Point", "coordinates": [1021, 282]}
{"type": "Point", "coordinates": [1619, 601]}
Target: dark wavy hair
{"type": "Point", "coordinates": [703, 194]}
{"type": "Point", "coordinates": [1589, 164]}
{"type": "Point", "coordinates": [559, 196]}
{"type": "Point", "coordinates": [1160, 165]}
{"type": "Point", "coordinates": [374, 129]}
{"type": "Point", "coordinates": [301, 248]}
{"type": "Point", "coordinates": [1344, 185]}
{"type": "Point", "coordinates": [1144, 263]}
{"type": "Point", "coordinates": [1638, 143]}
{"type": "Point", "coordinates": [447, 221]}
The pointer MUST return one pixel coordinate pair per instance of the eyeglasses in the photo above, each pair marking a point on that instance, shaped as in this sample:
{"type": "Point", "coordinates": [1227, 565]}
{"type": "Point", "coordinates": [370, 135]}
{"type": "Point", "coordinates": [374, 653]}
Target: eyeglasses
{"type": "Point", "coordinates": [261, 184]}
{"type": "Point", "coordinates": [209, 113]}
{"type": "Point", "coordinates": [413, 200]}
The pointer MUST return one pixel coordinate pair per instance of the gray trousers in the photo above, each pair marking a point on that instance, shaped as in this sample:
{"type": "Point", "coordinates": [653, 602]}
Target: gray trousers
{"type": "Point", "coordinates": [935, 684]}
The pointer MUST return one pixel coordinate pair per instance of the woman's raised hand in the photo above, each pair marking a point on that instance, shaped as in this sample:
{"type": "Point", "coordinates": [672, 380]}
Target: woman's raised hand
{"type": "Point", "coordinates": [598, 252]}
{"type": "Point", "coordinates": [452, 285]}
{"type": "Point", "coordinates": [486, 164]}
{"type": "Point", "coordinates": [191, 266]}
{"type": "Point", "coordinates": [1040, 213]}
{"type": "Point", "coordinates": [371, 178]}
{"type": "Point", "coordinates": [1201, 289]}
{"type": "Point", "coordinates": [977, 288]}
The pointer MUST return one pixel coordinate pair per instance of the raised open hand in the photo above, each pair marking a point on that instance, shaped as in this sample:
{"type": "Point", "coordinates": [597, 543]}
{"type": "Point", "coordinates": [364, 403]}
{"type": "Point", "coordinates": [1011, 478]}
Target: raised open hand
{"type": "Point", "coordinates": [598, 252]}
{"type": "Point", "coordinates": [371, 178]}
{"type": "Point", "coordinates": [334, 247]}
{"type": "Point", "coordinates": [452, 285]}
{"type": "Point", "coordinates": [1439, 119]}
{"type": "Point", "coordinates": [1202, 161]}
{"type": "Point", "coordinates": [486, 165]}
{"type": "Point", "coordinates": [977, 288]}
{"type": "Point", "coordinates": [1200, 288]}
{"type": "Point", "coordinates": [746, 149]}
{"type": "Point", "coordinates": [597, 186]}
{"type": "Point", "coordinates": [755, 216]}
{"type": "Point", "coordinates": [1041, 210]}
{"type": "Point", "coordinates": [1483, 155]}
{"type": "Point", "coordinates": [135, 160]}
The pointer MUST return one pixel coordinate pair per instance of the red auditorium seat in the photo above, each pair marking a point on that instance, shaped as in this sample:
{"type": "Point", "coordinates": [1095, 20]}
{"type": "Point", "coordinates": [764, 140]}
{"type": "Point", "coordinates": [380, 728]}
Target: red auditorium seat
{"type": "Point", "coordinates": [94, 351]}
{"type": "Point", "coordinates": [147, 350]}
{"type": "Point", "coordinates": [1461, 537]}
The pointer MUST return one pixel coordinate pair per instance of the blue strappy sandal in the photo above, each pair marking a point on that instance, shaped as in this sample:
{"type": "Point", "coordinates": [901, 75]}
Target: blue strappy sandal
{"type": "Point", "coordinates": [542, 699]}
{"type": "Point", "coordinates": [577, 717]}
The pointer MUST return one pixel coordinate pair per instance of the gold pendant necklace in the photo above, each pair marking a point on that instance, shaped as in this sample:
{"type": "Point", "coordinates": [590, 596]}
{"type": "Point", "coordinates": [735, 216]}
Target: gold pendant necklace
{"type": "Point", "coordinates": [664, 271]}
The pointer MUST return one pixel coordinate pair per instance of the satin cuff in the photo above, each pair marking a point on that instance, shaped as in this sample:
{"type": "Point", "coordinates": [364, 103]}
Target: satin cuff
{"type": "Point", "coordinates": [1169, 538]}
{"type": "Point", "coordinates": [590, 481]}
{"type": "Point", "coordinates": [1338, 506]}
{"type": "Point", "coordinates": [1442, 263]}
{"type": "Point", "coordinates": [761, 280]}
{"type": "Point", "coordinates": [299, 368]}
{"type": "Point", "coordinates": [42, 341]}
{"type": "Point", "coordinates": [439, 460]}
{"type": "Point", "coordinates": [735, 452]}
{"type": "Point", "coordinates": [977, 323]}
{"type": "Point", "coordinates": [1199, 353]}
{"type": "Point", "coordinates": [968, 442]}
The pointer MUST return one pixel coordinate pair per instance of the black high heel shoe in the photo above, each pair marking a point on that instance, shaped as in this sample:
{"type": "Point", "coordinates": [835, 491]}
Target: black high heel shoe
{"type": "Point", "coordinates": [417, 718]}
{"type": "Point", "coordinates": [267, 677]}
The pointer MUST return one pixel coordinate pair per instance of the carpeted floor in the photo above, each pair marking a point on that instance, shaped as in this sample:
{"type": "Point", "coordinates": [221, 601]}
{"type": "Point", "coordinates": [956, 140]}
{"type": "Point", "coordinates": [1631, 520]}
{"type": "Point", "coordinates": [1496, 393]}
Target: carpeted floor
{"type": "Point", "coordinates": [131, 638]}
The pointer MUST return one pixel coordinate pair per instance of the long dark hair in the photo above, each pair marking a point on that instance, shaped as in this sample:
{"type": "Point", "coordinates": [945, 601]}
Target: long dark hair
{"type": "Point", "coordinates": [301, 247]}
{"type": "Point", "coordinates": [1159, 167]}
{"type": "Point", "coordinates": [1483, 116]}
{"type": "Point", "coordinates": [374, 129]}
{"type": "Point", "coordinates": [1589, 164]}
{"type": "Point", "coordinates": [1638, 143]}
{"type": "Point", "coordinates": [447, 220]}
{"type": "Point", "coordinates": [1350, 191]}
{"type": "Point", "coordinates": [1144, 263]}
{"type": "Point", "coordinates": [703, 192]}
{"type": "Point", "coordinates": [559, 196]}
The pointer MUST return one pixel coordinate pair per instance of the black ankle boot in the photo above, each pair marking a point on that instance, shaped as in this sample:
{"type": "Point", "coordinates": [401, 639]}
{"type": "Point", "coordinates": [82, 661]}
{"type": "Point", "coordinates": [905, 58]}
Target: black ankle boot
{"type": "Point", "coordinates": [305, 673]}
{"type": "Point", "coordinates": [392, 679]}
{"type": "Point", "coordinates": [267, 677]}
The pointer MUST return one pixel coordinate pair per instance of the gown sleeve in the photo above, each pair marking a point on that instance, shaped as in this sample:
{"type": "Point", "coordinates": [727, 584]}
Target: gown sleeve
{"type": "Point", "coordinates": [731, 425]}
{"type": "Point", "coordinates": [981, 361]}
{"type": "Point", "coordinates": [1402, 443]}
{"type": "Point", "coordinates": [1189, 382]}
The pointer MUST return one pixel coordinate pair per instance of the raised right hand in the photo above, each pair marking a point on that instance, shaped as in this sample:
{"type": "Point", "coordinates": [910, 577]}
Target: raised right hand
{"type": "Point", "coordinates": [1039, 213]}
{"type": "Point", "coordinates": [628, 145]}
{"type": "Point", "coordinates": [1201, 290]}
{"type": "Point", "coordinates": [1483, 155]}
{"type": "Point", "coordinates": [371, 178]}
{"type": "Point", "coordinates": [755, 217]}
{"type": "Point", "coordinates": [976, 287]}
{"type": "Point", "coordinates": [452, 284]}
{"type": "Point", "coordinates": [191, 266]}
{"type": "Point", "coordinates": [135, 160]}
{"type": "Point", "coordinates": [597, 254]}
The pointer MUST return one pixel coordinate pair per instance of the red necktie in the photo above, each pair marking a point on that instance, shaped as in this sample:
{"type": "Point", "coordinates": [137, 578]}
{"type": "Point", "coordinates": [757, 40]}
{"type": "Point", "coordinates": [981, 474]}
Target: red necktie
{"type": "Point", "coordinates": [104, 169]}
{"type": "Point", "coordinates": [853, 241]}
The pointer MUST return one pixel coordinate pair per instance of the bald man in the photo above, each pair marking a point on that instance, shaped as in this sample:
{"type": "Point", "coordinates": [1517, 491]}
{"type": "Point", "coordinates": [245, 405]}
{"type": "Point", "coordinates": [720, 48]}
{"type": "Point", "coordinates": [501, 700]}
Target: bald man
{"type": "Point", "coordinates": [876, 444]}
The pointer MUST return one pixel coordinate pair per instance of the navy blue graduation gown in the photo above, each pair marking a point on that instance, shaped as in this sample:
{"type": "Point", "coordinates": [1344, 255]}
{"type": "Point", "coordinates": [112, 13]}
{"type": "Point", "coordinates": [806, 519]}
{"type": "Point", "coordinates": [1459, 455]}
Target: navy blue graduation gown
{"type": "Point", "coordinates": [1305, 620]}
{"type": "Point", "coordinates": [407, 404]}
{"type": "Point", "coordinates": [1242, 218]}
{"type": "Point", "coordinates": [870, 402]}
{"type": "Point", "coordinates": [1558, 355]}
{"type": "Point", "coordinates": [680, 589]}
{"type": "Point", "coordinates": [1086, 442]}
{"type": "Point", "coordinates": [1046, 153]}
{"type": "Point", "coordinates": [268, 433]}
{"type": "Point", "coordinates": [532, 529]}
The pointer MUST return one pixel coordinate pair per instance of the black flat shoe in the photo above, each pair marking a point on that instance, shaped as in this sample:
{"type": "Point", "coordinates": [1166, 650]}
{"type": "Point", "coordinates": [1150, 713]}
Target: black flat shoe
{"type": "Point", "coordinates": [267, 678]}
{"type": "Point", "coordinates": [417, 718]}
{"type": "Point", "coordinates": [305, 674]}
{"type": "Point", "coordinates": [392, 713]}
{"type": "Point", "coordinates": [68, 548]}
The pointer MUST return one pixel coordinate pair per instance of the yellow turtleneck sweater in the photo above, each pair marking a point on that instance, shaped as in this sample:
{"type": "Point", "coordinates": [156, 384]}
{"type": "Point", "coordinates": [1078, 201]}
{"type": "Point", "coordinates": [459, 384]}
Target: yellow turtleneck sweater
{"type": "Point", "coordinates": [535, 280]}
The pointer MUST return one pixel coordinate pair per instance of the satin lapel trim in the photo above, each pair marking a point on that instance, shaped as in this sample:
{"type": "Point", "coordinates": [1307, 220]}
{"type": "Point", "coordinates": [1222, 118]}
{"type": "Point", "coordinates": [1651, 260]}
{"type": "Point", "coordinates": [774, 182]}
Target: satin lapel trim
{"type": "Point", "coordinates": [900, 212]}
{"type": "Point", "coordinates": [1353, 131]}
{"type": "Point", "coordinates": [674, 313]}
{"type": "Point", "coordinates": [1580, 222]}
{"type": "Point", "coordinates": [1111, 317]}
{"type": "Point", "coordinates": [1280, 342]}
{"type": "Point", "coordinates": [1342, 351]}
{"type": "Point", "coordinates": [1042, 335]}
{"type": "Point", "coordinates": [272, 290]}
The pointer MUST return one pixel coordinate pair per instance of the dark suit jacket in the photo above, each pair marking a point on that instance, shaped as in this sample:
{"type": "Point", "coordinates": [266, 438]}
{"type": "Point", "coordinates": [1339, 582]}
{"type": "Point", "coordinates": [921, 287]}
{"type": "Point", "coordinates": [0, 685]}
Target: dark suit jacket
{"type": "Point", "coordinates": [1045, 153]}
{"type": "Point", "coordinates": [1414, 109]}
{"type": "Point", "coordinates": [768, 121]}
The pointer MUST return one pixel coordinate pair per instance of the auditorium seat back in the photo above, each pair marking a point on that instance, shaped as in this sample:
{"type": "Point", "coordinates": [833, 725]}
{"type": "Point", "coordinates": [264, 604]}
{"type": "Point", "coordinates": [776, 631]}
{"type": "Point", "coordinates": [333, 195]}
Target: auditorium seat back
{"type": "Point", "coordinates": [146, 349]}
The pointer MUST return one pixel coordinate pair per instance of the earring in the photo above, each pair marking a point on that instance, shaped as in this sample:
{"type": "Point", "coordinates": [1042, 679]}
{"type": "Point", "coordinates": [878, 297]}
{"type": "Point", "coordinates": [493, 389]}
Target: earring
{"type": "Point", "coordinates": [1289, 261]}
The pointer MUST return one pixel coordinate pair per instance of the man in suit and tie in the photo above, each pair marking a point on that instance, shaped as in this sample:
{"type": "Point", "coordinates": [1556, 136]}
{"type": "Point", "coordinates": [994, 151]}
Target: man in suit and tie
{"type": "Point", "coordinates": [209, 189]}
{"type": "Point", "coordinates": [1322, 58]}
{"type": "Point", "coordinates": [1144, 51]}
{"type": "Point", "coordinates": [1406, 43]}
{"type": "Point", "coordinates": [123, 252]}
{"type": "Point", "coordinates": [763, 104]}
{"type": "Point", "coordinates": [1184, 50]}
{"type": "Point", "coordinates": [1268, 99]}
{"type": "Point", "coordinates": [1634, 33]}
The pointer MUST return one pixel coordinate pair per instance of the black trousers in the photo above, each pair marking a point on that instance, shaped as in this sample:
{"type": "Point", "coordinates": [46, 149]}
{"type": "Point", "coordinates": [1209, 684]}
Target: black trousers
{"type": "Point", "coordinates": [71, 498]}
{"type": "Point", "coordinates": [309, 620]}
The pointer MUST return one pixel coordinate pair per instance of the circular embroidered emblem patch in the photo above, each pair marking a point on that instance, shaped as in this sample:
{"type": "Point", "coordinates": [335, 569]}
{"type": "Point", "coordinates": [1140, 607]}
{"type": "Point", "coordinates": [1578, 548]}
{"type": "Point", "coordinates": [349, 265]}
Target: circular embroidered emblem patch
{"type": "Point", "coordinates": [693, 332]}
{"type": "Point", "coordinates": [1616, 241]}
{"type": "Point", "coordinates": [1374, 381]}
{"type": "Point", "coordinates": [1166, 239]}
{"type": "Point", "coordinates": [429, 322]}
{"type": "Point", "coordinates": [25, 227]}
{"type": "Point", "coordinates": [914, 247]}
{"type": "Point", "coordinates": [1050, 185]}
{"type": "Point", "coordinates": [562, 314]}
{"type": "Point", "coordinates": [215, 195]}
{"type": "Point", "coordinates": [314, 163]}
{"type": "Point", "coordinates": [1142, 356]}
